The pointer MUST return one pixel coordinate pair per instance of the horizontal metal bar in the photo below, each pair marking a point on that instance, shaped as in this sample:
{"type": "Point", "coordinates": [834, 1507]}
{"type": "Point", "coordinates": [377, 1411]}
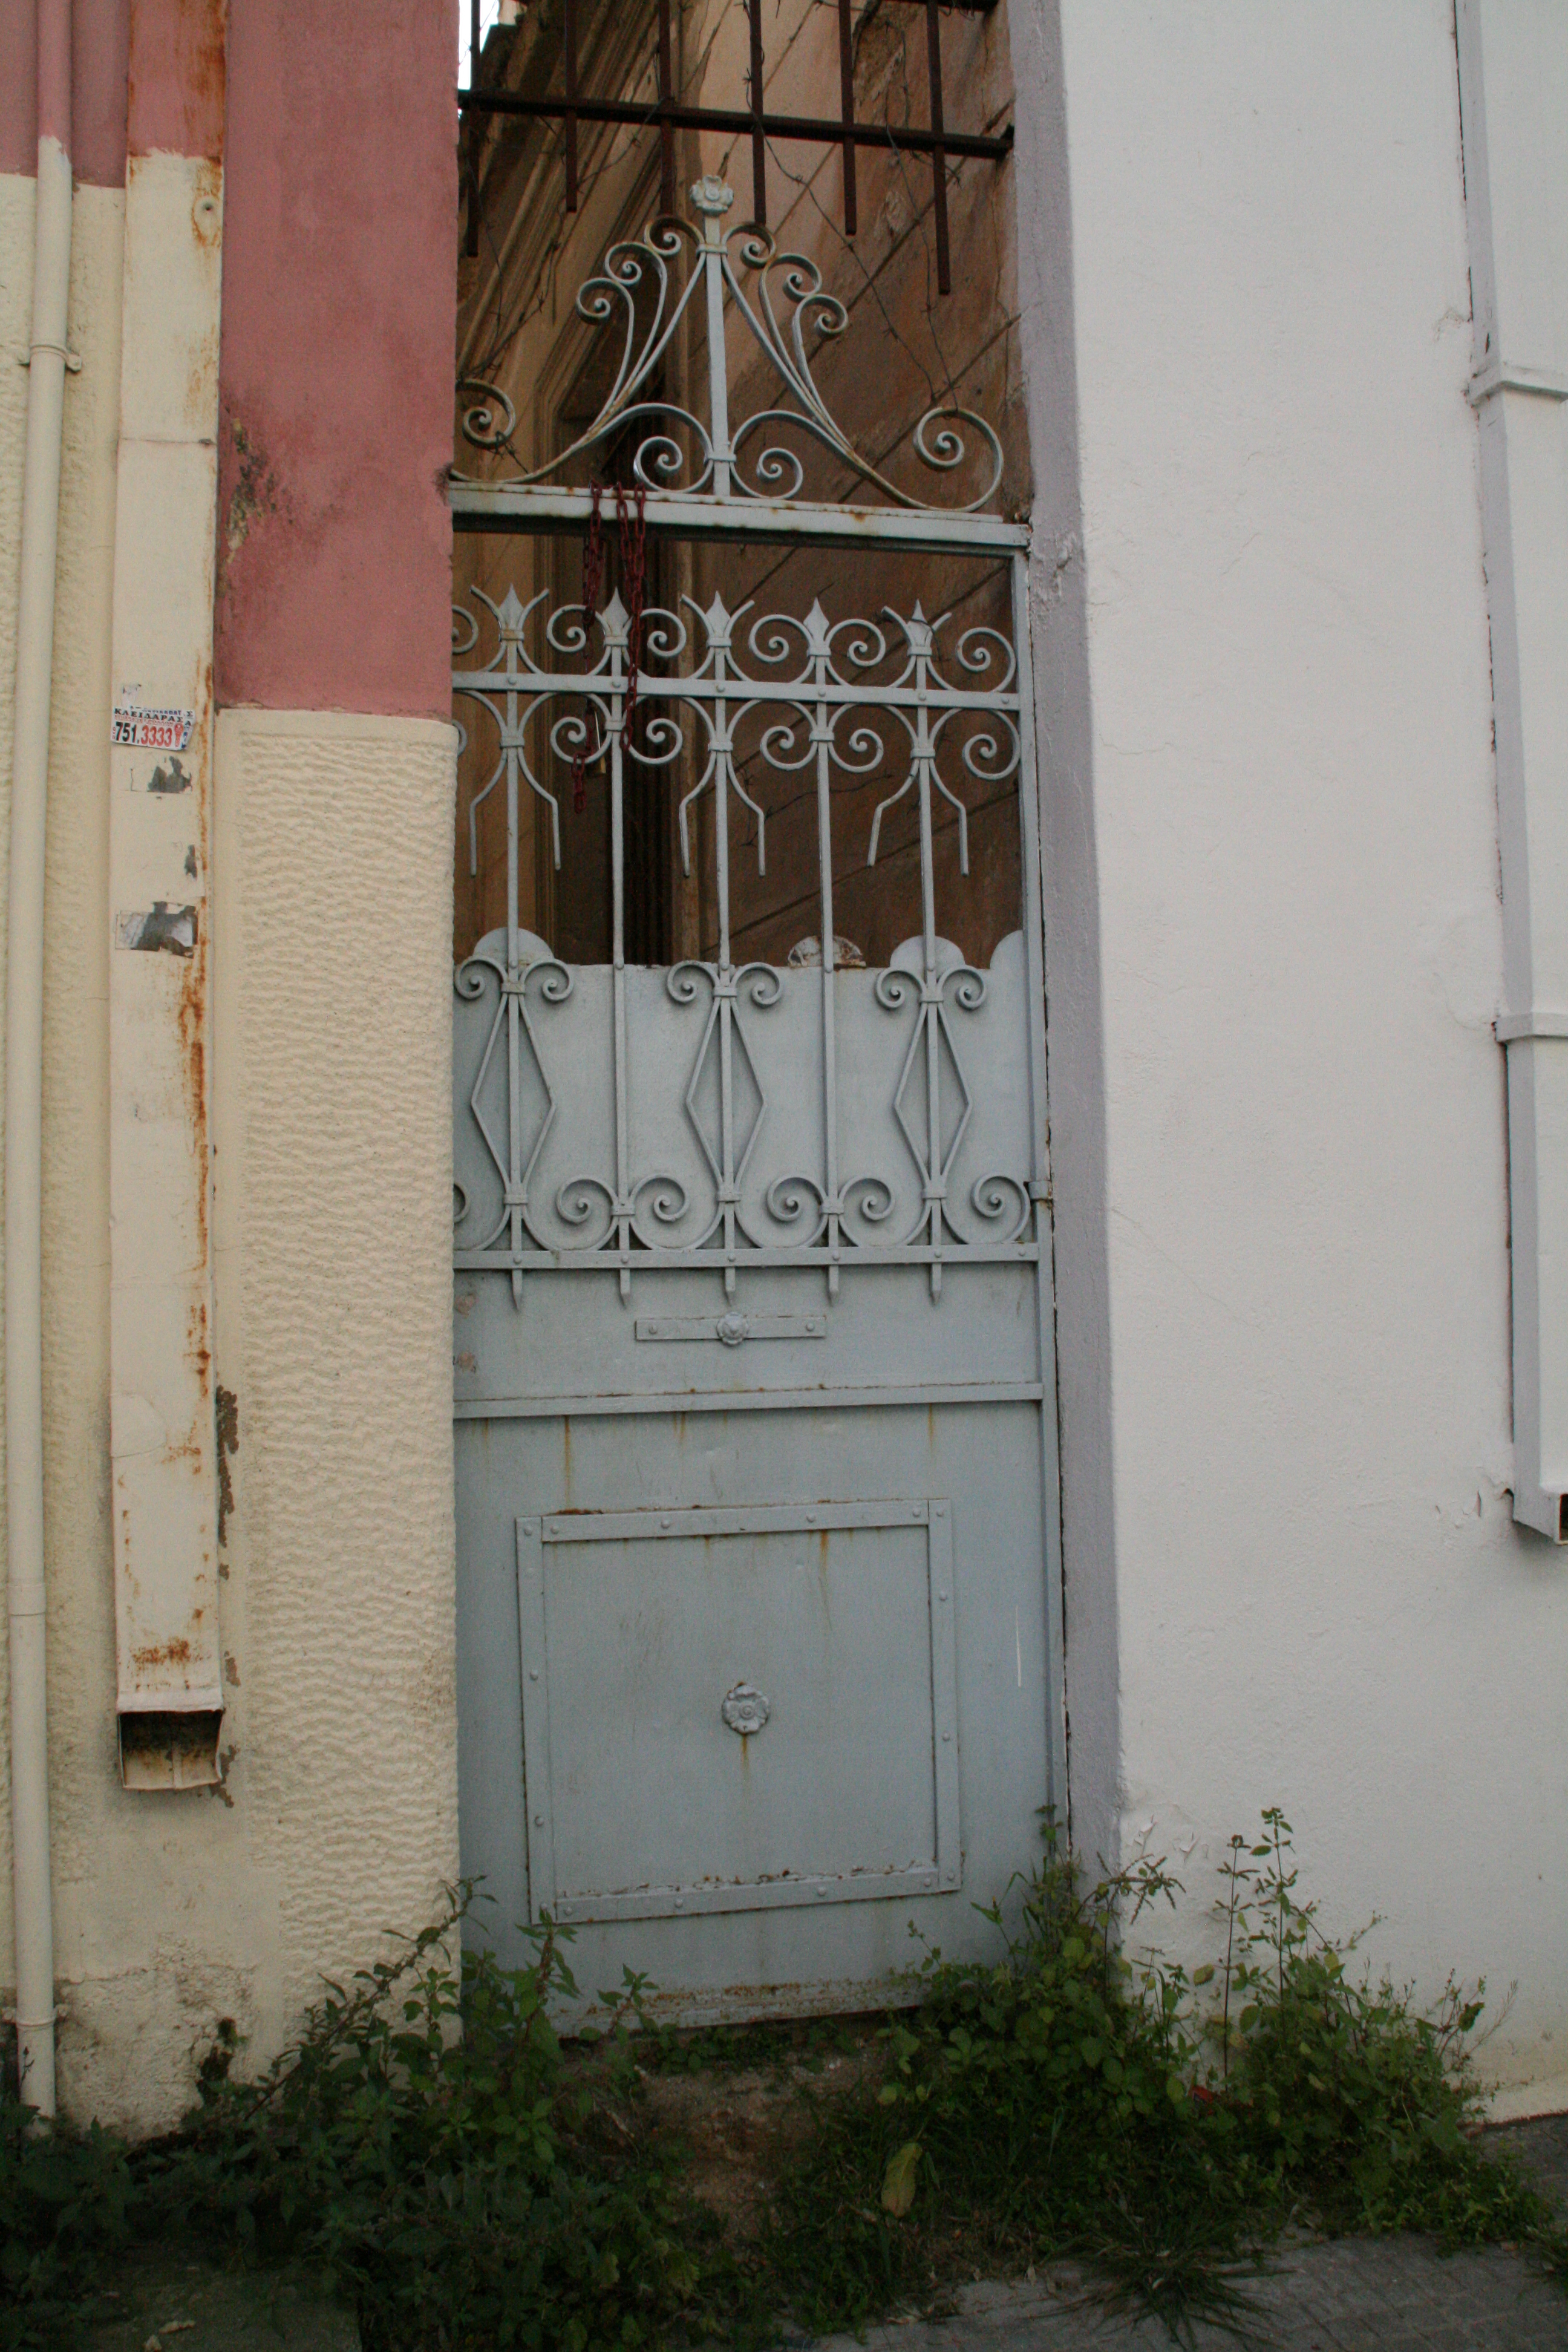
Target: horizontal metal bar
{"type": "Point", "coordinates": [535, 506]}
{"type": "Point", "coordinates": [815, 129]}
{"type": "Point", "coordinates": [755, 1894]}
{"type": "Point", "coordinates": [712, 1519]}
{"type": "Point", "coordinates": [700, 686]}
{"type": "Point", "coordinates": [732, 1328]}
{"type": "Point", "coordinates": [822, 1400]}
{"type": "Point", "coordinates": [847, 1258]}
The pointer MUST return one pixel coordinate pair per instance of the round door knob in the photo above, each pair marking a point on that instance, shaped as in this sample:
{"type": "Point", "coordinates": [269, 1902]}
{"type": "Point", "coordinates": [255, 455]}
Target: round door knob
{"type": "Point", "coordinates": [744, 1709]}
{"type": "Point", "coordinates": [732, 1328]}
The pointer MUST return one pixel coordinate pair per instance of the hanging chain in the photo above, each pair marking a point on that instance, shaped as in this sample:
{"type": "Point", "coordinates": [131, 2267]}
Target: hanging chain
{"type": "Point", "coordinates": [593, 581]}
{"type": "Point", "coordinates": [632, 520]}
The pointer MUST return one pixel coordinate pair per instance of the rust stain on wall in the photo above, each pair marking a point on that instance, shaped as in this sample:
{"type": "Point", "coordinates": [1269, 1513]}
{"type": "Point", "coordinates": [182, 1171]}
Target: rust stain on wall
{"type": "Point", "coordinates": [225, 1418]}
{"type": "Point", "coordinates": [177, 76]}
{"type": "Point", "coordinates": [175, 1651]}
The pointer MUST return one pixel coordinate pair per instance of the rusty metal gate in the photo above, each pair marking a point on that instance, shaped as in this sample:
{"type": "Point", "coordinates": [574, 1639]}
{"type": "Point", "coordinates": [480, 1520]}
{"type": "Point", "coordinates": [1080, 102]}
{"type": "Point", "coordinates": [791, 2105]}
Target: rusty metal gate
{"type": "Point", "coordinates": [754, 1391]}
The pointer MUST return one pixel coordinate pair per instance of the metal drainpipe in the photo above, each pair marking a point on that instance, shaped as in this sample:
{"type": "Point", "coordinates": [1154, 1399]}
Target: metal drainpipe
{"type": "Point", "coordinates": [24, 1070]}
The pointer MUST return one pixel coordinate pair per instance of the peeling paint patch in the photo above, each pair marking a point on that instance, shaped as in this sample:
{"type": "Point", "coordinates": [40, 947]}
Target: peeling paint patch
{"type": "Point", "coordinates": [254, 490]}
{"type": "Point", "coordinates": [162, 929]}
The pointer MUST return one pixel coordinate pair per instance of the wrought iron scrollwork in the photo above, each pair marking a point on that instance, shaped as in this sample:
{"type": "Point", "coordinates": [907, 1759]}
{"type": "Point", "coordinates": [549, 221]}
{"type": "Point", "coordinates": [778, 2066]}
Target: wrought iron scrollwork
{"type": "Point", "coordinates": [817, 694]}
{"type": "Point", "coordinates": [643, 290]}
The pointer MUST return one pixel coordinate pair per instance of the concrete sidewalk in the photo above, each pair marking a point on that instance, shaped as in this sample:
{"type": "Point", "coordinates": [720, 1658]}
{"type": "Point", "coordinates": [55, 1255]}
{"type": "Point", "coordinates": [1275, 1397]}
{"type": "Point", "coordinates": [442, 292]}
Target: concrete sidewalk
{"type": "Point", "coordinates": [1350, 2295]}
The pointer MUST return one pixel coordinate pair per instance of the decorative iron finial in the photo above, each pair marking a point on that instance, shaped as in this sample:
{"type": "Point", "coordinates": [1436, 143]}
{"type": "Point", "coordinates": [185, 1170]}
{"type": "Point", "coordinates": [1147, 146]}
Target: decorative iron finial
{"type": "Point", "coordinates": [711, 195]}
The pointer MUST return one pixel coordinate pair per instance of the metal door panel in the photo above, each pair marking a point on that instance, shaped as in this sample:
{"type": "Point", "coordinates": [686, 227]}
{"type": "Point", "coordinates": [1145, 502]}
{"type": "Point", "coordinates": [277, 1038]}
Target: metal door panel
{"type": "Point", "coordinates": [757, 1248]}
{"type": "Point", "coordinates": [567, 1110]}
{"type": "Point", "coordinates": [981, 1464]}
{"type": "Point", "coordinates": [982, 1335]}
{"type": "Point", "coordinates": [826, 1634]}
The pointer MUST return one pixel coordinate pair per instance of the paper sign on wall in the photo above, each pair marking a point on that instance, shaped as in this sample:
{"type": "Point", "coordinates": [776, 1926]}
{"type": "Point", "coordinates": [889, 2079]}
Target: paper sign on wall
{"type": "Point", "coordinates": [144, 727]}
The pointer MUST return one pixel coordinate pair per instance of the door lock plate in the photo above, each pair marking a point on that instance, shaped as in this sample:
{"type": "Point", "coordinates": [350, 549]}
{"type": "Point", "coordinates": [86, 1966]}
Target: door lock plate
{"type": "Point", "coordinates": [734, 1329]}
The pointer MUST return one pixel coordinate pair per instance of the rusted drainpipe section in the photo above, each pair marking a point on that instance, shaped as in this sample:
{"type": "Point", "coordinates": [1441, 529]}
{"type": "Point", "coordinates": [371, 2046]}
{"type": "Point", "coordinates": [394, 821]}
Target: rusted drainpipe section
{"type": "Point", "coordinates": [48, 360]}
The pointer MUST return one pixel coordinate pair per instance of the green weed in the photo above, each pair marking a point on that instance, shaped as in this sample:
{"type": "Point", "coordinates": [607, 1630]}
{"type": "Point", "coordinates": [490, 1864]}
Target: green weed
{"type": "Point", "coordinates": [1068, 2100]}
{"type": "Point", "coordinates": [471, 2182]}
{"type": "Point", "coordinates": [66, 2206]}
{"type": "Point", "coordinates": [426, 2142]}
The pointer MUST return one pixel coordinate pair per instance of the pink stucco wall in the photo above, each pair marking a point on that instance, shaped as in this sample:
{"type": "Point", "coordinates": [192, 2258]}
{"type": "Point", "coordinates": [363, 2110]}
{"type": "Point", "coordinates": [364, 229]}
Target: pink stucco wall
{"type": "Point", "coordinates": [334, 547]}
{"type": "Point", "coordinates": [100, 30]}
{"type": "Point", "coordinates": [177, 77]}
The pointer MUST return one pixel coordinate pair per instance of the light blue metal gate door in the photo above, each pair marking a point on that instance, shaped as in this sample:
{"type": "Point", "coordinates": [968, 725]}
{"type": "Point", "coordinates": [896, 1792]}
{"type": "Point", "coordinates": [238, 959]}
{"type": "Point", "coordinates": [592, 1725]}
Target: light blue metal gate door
{"type": "Point", "coordinates": [755, 1404]}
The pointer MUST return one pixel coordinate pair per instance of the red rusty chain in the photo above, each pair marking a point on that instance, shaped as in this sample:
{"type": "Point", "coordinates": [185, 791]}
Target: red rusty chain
{"type": "Point", "coordinates": [632, 520]}
{"type": "Point", "coordinates": [633, 567]}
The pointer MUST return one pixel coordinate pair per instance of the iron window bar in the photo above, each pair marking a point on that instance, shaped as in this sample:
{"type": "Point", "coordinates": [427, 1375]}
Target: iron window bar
{"type": "Point", "coordinates": [754, 121]}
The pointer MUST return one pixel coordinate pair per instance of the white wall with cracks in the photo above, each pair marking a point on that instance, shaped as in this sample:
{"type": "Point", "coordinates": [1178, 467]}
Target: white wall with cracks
{"type": "Point", "coordinates": [1292, 1572]}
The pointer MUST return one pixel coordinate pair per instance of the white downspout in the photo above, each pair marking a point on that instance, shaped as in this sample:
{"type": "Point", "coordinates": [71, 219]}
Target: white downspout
{"type": "Point", "coordinates": [24, 1071]}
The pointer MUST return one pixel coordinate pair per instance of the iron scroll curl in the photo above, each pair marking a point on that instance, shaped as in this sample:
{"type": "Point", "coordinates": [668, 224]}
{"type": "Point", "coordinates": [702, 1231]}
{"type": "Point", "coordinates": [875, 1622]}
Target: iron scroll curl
{"type": "Point", "coordinates": [645, 287]}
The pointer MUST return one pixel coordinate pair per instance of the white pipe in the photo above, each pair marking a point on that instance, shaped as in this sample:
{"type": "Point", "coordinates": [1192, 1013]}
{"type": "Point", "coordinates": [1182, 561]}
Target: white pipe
{"type": "Point", "coordinates": [35, 1932]}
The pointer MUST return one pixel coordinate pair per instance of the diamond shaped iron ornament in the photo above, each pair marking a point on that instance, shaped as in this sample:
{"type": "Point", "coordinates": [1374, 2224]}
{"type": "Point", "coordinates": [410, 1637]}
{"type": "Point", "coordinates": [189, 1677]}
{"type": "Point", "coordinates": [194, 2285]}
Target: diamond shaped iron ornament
{"type": "Point", "coordinates": [823, 700]}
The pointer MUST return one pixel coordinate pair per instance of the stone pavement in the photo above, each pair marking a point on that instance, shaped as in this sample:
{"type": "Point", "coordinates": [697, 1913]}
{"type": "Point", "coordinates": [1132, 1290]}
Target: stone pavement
{"type": "Point", "coordinates": [178, 2302]}
{"type": "Point", "coordinates": [1350, 2294]}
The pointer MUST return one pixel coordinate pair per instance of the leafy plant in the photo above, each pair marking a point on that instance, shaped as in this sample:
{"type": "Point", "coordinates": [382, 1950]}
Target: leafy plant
{"type": "Point", "coordinates": [473, 2182]}
{"type": "Point", "coordinates": [1071, 2100]}
{"type": "Point", "coordinates": [425, 2140]}
{"type": "Point", "coordinates": [66, 2201]}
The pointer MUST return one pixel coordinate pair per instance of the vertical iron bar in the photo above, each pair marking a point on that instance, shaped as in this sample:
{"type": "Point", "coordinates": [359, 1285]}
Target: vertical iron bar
{"type": "Point", "coordinates": [618, 953]}
{"type": "Point", "coordinates": [938, 152]}
{"type": "Point", "coordinates": [1040, 1184]}
{"type": "Point", "coordinates": [724, 986]}
{"type": "Point", "coordinates": [472, 122]}
{"type": "Point", "coordinates": [513, 1005]}
{"type": "Point", "coordinates": [666, 128]}
{"type": "Point", "coordinates": [930, 1005]}
{"type": "Point", "coordinates": [569, 64]}
{"type": "Point", "coordinates": [829, 1008]}
{"type": "Point", "coordinates": [847, 107]}
{"type": "Point", "coordinates": [759, 144]}
{"type": "Point", "coordinates": [718, 361]}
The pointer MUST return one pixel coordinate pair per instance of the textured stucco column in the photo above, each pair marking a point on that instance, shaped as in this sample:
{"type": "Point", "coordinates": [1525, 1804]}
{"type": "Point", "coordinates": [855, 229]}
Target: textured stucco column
{"type": "Point", "coordinates": [332, 1227]}
{"type": "Point", "coordinates": [333, 923]}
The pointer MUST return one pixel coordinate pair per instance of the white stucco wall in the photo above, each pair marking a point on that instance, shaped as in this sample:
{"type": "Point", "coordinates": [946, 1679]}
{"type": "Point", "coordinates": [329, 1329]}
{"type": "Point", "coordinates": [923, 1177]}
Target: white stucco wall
{"type": "Point", "coordinates": [333, 1121]}
{"type": "Point", "coordinates": [1319, 1597]}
